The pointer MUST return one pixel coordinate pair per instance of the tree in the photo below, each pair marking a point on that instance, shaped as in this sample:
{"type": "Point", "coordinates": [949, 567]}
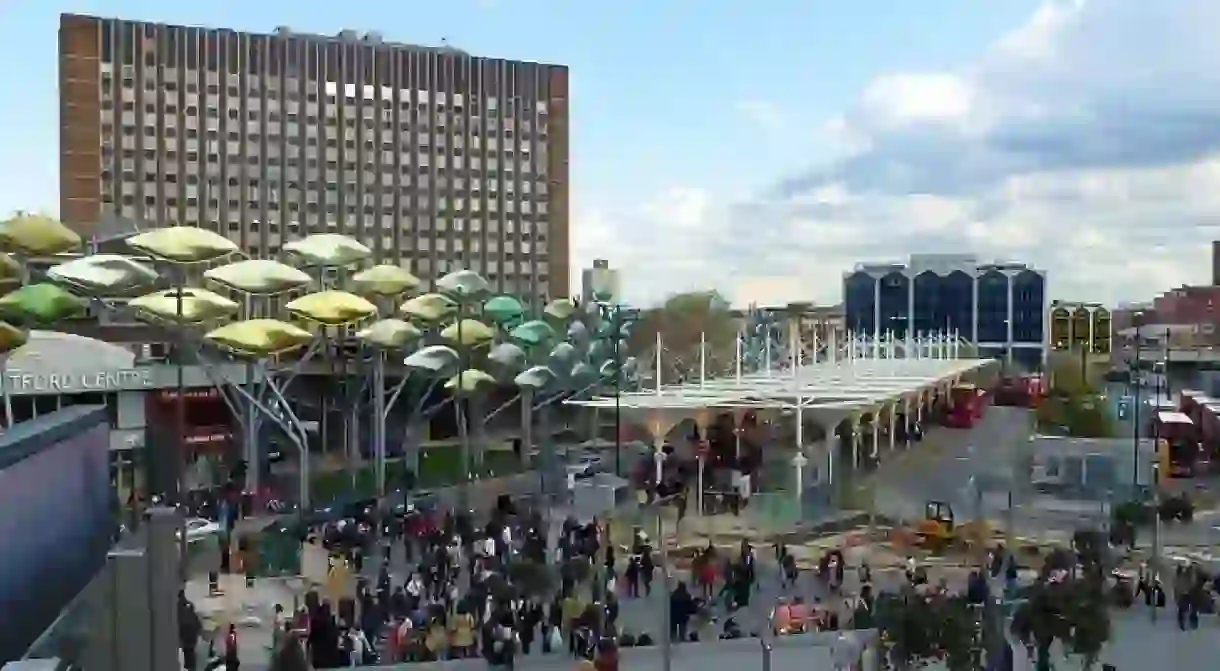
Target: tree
{"type": "Point", "coordinates": [1065, 605]}
{"type": "Point", "coordinates": [917, 630]}
{"type": "Point", "coordinates": [1073, 405]}
{"type": "Point", "coordinates": [681, 320]}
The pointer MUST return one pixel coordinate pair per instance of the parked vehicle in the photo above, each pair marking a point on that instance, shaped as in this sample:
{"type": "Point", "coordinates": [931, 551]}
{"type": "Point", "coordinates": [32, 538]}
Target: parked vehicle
{"type": "Point", "coordinates": [968, 402]}
{"type": "Point", "coordinates": [1021, 391]}
{"type": "Point", "coordinates": [1179, 437]}
{"type": "Point", "coordinates": [198, 528]}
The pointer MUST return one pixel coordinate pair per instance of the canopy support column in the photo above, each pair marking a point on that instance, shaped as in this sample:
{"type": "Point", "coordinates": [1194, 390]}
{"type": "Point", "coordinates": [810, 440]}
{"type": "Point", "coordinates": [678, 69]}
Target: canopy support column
{"type": "Point", "coordinates": [701, 418]}
{"type": "Point", "coordinates": [893, 424]}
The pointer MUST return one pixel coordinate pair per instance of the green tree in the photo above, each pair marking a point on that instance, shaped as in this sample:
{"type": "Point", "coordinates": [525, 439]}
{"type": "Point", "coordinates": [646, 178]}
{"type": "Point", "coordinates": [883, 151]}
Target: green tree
{"type": "Point", "coordinates": [1067, 604]}
{"type": "Point", "coordinates": [1073, 405]}
{"type": "Point", "coordinates": [917, 631]}
{"type": "Point", "coordinates": [681, 320]}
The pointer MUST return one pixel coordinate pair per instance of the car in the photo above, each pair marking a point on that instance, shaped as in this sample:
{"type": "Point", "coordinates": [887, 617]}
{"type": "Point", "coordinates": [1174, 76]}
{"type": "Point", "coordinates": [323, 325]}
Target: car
{"type": "Point", "coordinates": [198, 528]}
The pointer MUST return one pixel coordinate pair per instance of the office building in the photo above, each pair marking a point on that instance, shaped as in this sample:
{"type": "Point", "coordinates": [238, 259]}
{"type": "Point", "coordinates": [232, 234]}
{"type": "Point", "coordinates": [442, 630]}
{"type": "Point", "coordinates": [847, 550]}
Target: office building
{"type": "Point", "coordinates": [1000, 307]}
{"type": "Point", "coordinates": [600, 283]}
{"type": "Point", "coordinates": [434, 158]}
{"type": "Point", "coordinates": [1078, 327]}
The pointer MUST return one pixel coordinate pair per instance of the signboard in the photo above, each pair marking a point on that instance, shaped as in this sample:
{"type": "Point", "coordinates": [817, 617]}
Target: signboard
{"type": "Point", "coordinates": [19, 384]}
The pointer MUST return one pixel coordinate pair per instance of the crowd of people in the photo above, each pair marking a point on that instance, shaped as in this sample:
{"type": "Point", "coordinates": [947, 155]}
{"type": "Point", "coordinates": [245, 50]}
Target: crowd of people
{"type": "Point", "coordinates": [498, 590]}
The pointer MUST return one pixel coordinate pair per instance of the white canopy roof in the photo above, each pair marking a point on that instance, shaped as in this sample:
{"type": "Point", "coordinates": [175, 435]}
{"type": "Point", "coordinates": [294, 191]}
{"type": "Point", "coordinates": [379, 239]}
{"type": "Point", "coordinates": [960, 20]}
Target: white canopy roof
{"type": "Point", "coordinates": [841, 386]}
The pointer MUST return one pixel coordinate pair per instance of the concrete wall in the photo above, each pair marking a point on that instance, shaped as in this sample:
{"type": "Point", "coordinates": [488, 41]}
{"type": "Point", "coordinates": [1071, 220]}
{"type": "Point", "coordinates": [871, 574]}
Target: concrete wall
{"type": "Point", "coordinates": [126, 618]}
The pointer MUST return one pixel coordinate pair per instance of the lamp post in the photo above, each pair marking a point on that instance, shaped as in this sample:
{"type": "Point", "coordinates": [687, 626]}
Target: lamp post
{"type": "Point", "coordinates": [618, 316]}
{"type": "Point", "coordinates": [1137, 321]}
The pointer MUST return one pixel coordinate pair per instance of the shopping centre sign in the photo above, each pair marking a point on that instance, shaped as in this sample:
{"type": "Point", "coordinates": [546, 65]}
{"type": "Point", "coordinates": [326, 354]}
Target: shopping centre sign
{"type": "Point", "coordinates": [18, 383]}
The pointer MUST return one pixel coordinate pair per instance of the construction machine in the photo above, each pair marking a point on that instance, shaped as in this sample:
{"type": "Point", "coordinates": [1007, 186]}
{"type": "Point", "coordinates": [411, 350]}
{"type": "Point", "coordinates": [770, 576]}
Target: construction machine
{"type": "Point", "coordinates": [938, 531]}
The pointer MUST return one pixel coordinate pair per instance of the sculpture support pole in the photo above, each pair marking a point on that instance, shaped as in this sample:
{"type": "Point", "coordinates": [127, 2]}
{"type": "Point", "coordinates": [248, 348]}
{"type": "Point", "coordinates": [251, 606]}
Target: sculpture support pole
{"type": "Point", "coordinates": [250, 425]}
{"type": "Point", "coordinates": [547, 451]}
{"type": "Point", "coordinates": [253, 465]}
{"type": "Point", "coordinates": [379, 425]}
{"type": "Point", "coordinates": [8, 400]}
{"type": "Point", "coordinates": [527, 429]}
{"type": "Point", "coordinates": [180, 420]}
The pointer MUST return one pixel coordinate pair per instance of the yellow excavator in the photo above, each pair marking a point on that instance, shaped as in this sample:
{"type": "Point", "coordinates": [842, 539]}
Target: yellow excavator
{"type": "Point", "coordinates": [938, 531]}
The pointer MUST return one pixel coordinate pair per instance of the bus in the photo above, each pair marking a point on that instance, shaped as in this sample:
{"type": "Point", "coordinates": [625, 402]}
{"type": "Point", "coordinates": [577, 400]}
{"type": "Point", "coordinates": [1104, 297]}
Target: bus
{"type": "Point", "coordinates": [1181, 439]}
{"type": "Point", "coordinates": [1022, 391]}
{"type": "Point", "coordinates": [968, 402]}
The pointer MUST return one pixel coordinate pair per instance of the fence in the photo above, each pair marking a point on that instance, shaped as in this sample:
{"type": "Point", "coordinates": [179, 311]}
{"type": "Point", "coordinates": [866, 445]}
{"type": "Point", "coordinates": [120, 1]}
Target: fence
{"type": "Point", "coordinates": [803, 652]}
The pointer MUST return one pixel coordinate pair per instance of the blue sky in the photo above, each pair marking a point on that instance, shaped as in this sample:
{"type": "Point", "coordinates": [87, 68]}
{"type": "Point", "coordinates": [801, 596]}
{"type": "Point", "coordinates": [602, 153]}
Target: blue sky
{"type": "Point", "coordinates": [725, 95]}
{"type": "Point", "coordinates": [763, 148]}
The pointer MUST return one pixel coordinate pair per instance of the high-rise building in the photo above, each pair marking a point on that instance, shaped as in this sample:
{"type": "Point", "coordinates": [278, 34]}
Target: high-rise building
{"type": "Point", "coordinates": [1000, 307]}
{"type": "Point", "coordinates": [600, 283]}
{"type": "Point", "coordinates": [434, 158]}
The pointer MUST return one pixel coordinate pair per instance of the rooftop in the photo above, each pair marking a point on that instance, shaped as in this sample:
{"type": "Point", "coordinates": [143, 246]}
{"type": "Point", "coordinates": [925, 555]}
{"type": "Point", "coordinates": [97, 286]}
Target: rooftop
{"type": "Point", "coordinates": [830, 387]}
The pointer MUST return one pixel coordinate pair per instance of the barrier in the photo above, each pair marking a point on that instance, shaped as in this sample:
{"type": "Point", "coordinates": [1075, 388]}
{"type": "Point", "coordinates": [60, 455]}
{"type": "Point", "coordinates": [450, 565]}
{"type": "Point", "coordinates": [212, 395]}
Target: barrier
{"type": "Point", "coordinates": [788, 653]}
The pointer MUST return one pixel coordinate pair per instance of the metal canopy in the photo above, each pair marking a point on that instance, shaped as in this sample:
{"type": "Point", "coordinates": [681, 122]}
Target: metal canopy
{"type": "Point", "coordinates": [844, 385]}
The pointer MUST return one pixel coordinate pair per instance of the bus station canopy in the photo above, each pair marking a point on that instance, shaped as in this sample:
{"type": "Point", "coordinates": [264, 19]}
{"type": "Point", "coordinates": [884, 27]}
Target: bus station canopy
{"type": "Point", "coordinates": [843, 386]}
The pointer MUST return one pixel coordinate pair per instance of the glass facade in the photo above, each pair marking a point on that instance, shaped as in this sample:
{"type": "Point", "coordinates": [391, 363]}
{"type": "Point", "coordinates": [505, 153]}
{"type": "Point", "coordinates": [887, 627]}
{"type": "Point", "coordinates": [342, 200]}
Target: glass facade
{"type": "Point", "coordinates": [895, 301]}
{"type": "Point", "coordinates": [1028, 299]}
{"type": "Point", "coordinates": [929, 308]}
{"type": "Point", "coordinates": [859, 301]}
{"type": "Point", "coordinates": [944, 300]}
{"type": "Point", "coordinates": [956, 303]}
{"type": "Point", "coordinates": [993, 307]}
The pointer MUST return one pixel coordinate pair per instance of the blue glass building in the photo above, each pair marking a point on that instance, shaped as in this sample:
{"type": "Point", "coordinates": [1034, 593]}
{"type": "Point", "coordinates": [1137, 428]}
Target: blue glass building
{"type": "Point", "coordinates": [1001, 307]}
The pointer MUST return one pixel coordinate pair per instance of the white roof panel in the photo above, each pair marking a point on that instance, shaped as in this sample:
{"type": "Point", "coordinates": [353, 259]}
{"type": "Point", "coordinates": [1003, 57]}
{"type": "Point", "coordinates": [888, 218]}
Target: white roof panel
{"type": "Point", "coordinates": [1173, 418]}
{"type": "Point", "coordinates": [842, 384]}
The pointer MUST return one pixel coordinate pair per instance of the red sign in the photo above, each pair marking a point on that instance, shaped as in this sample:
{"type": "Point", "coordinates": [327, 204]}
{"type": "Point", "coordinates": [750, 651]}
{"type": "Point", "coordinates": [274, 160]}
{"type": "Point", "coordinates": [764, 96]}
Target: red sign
{"type": "Point", "coordinates": [172, 394]}
{"type": "Point", "coordinates": [702, 449]}
{"type": "Point", "coordinates": [207, 438]}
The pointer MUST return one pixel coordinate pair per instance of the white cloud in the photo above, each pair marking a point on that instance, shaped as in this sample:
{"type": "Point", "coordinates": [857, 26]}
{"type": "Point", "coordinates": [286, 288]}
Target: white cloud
{"type": "Point", "coordinates": [1086, 142]}
{"type": "Point", "coordinates": [663, 246]}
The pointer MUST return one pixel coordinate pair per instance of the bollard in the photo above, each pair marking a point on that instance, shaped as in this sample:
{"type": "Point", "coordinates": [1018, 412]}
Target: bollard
{"type": "Point", "coordinates": [766, 656]}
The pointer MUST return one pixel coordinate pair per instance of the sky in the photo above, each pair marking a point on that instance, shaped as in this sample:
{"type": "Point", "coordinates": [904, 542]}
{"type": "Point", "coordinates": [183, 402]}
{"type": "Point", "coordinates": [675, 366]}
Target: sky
{"type": "Point", "coordinates": [762, 149]}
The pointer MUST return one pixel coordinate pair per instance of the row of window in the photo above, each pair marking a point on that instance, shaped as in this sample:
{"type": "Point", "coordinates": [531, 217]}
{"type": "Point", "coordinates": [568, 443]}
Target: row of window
{"type": "Point", "coordinates": [405, 185]}
{"type": "Point", "coordinates": [292, 203]}
{"type": "Point", "coordinates": [292, 138]}
{"type": "Point", "coordinates": [318, 91]}
{"type": "Point", "coordinates": [454, 166]}
{"type": "Point", "coordinates": [391, 153]}
{"type": "Point", "coordinates": [294, 206]}
{"type": "Point", "coordinates": [491, 129]}
{"type": "Point", "coordinates": [531, 235]}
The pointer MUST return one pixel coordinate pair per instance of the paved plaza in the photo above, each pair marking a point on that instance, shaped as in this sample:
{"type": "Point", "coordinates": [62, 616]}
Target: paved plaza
{"type": "Point", "coordinates": [937, 468]}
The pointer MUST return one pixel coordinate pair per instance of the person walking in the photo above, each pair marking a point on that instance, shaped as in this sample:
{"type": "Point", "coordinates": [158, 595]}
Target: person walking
{"type": "Point", "coordinates": [190, 626]}
{"type": "Point", "coordinates": [232, 660]}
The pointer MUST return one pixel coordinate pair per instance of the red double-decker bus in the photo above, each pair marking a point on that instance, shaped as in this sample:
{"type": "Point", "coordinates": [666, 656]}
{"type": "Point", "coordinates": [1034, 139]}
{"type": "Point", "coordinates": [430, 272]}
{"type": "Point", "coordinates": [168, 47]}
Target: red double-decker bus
{"type": "Point", "coordinates": [1182, 439]}
{"type": "Point", "coordinates": [967, 406]}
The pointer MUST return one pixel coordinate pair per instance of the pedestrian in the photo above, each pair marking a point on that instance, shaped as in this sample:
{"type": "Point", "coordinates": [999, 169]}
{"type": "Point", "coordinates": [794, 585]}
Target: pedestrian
{"type": "Point", "coordinates": [232, 658]}
{"type": "Point", "coordinates": [190, 626]}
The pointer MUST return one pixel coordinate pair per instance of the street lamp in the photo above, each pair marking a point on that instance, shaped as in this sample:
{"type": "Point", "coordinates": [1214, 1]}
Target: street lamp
{"type": "Point", "coordinates": [1134, 376]}
{"type": "Point", "coordinates": [617, 320]}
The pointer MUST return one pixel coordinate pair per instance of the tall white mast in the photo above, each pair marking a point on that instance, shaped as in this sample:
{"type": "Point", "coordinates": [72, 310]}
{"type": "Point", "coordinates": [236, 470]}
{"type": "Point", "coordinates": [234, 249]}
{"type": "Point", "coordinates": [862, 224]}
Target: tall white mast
{"type": "Point", "coordinates": [658, 363]}
{"type": "Point", "coordinates": [702, 358]}
{"type": "Point", "coordinates": [737, 365]}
